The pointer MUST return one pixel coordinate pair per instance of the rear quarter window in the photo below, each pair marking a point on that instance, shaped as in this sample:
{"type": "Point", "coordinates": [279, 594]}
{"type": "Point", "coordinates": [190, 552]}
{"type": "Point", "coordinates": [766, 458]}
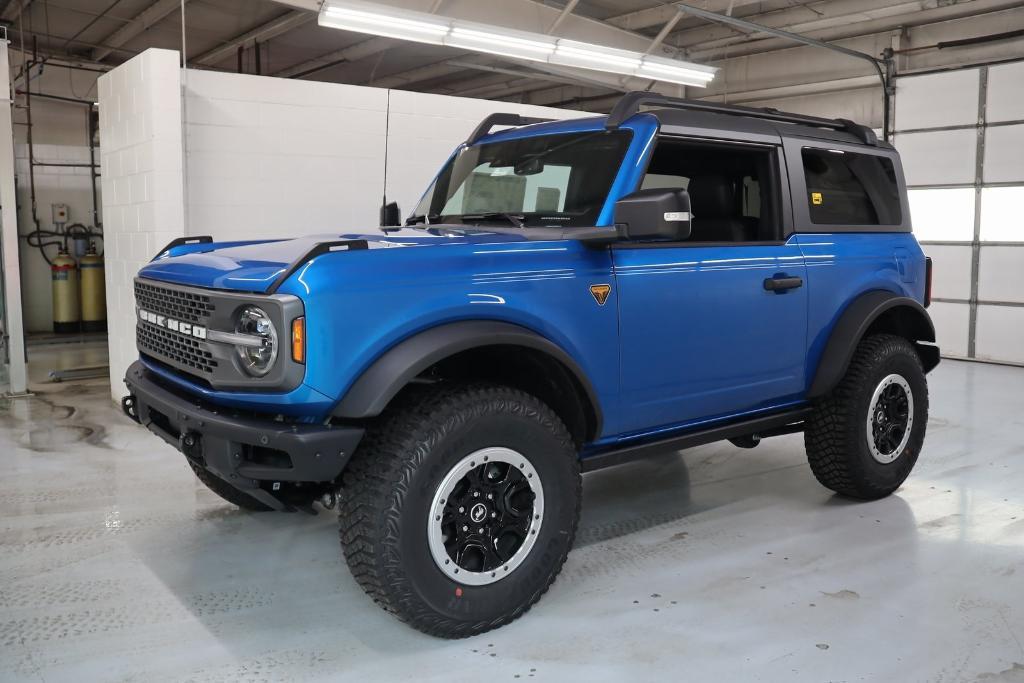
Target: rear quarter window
{"type": "Point", "coordinates": [847, 188]}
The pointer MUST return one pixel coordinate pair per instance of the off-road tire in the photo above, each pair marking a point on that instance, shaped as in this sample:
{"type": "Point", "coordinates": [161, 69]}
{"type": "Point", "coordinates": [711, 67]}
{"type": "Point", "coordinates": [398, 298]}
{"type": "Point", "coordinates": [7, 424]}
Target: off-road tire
{"type": "Point", "coordinates": [390, 484]}
{"type": "Point", "coordinates": [226, 491]}
{"type": "Point", "coordinates": [836, 438]}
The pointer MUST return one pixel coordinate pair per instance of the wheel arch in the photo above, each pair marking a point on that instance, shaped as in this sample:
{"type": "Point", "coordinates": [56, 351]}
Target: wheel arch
{"type": "Point", "coordinates": [873, 312]}
{"type": "Point", "coordinates": [472, 348]}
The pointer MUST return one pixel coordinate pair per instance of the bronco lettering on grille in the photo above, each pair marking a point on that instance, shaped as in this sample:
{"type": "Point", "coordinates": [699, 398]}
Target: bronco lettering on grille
{"type": "Point", "coordinates": [181, 327]}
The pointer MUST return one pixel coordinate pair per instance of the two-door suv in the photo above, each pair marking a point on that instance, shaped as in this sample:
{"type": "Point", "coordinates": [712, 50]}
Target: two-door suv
{"type": "Point", "coordinates": [573, 294]}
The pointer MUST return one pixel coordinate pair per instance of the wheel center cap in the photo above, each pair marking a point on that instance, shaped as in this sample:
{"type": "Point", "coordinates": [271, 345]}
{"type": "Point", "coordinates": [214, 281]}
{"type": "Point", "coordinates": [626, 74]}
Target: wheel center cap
{"type": "Point", "coordinates": [478, 512]}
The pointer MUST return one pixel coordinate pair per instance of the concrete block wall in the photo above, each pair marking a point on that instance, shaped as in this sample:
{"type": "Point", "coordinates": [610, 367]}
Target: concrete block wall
{"type": "Point", "coordinates": [143, 184]}
{"type": "Point", "coordinates": [272, 157]}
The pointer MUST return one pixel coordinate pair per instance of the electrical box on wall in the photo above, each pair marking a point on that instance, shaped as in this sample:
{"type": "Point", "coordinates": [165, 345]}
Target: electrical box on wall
{"type": "Point", "coordinates": [60, 214]}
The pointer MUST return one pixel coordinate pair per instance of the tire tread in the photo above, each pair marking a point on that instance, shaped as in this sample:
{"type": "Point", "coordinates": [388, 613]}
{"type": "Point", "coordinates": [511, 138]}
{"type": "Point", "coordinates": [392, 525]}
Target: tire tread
{"type": "Point", "coordinates": [379, 476]}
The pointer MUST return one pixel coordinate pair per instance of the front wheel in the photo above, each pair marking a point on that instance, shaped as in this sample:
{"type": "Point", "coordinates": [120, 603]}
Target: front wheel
{"type": "Point", "coordinates": [460, 507]}
{"type": "Point", "coordinates": [863, 439]}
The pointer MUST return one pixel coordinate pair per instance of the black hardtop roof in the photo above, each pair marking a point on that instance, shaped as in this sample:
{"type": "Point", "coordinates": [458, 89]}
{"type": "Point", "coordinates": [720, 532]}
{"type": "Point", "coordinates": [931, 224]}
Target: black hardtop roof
{"type": "Point", "coordinates": [688, 117]}
{"type": "Point", "coordinates": [682, 122]}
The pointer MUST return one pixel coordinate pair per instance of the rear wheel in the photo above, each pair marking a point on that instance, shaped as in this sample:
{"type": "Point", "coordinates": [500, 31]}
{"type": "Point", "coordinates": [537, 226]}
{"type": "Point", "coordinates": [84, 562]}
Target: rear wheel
{"type": "Point", "coordinates": [460, 506]}
{"type": "Point", "coordinates": [864, 438]}
{"type": "Point", "coordinates": [226, 491]}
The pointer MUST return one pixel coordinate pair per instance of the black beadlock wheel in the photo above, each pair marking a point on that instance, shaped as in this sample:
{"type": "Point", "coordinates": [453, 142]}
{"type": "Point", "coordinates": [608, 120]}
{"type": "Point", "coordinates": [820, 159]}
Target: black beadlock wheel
{"type": "Point", "coordinates": [226, 491]}
{"type": "Point", "coordinates": [460, 506]}
{"type": "Point", "coordinates": [864, 438]}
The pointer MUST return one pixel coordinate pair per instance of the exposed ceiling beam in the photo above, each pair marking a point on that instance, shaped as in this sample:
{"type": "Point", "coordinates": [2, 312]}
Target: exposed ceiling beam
{"type": "Point", "coordinates": [566, 11]}
{"type": "Point", "coordinates": [502, 71]}
{"type": "Point", "coordinates": [422, 73]}
{"type": "Point", "coordinates": [760, 44]}
{"type": "Point", "coordinates": [13, 8]}
{"type": "Point", "coordinates": [309, 5]}
{"type": "Point", "coordinates": [260, 34]}
{"type": "Point", "coordinates": [144, 20]}
{"type": "Point", "coordinates": [811, 17]}
{"type": "Point", "coordinates": [656, 16]}
{"type": "Point", "coordinates": [353, 53]}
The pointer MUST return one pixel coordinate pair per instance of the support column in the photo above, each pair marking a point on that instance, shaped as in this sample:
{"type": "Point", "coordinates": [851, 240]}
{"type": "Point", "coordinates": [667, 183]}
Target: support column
{"type": "Point", "coordinates": [14, 328]}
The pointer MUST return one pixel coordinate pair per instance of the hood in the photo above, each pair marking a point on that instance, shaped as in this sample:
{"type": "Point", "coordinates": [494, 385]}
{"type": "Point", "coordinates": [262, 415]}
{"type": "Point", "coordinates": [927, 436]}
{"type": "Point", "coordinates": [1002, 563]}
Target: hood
{"type": "Point", "coordinates": [255, 266]}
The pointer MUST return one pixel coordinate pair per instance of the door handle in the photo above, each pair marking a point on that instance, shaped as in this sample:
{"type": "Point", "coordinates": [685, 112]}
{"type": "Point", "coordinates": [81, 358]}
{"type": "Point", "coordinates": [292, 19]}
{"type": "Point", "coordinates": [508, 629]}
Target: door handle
{"type": "Point", "coordinates": [780, 283]}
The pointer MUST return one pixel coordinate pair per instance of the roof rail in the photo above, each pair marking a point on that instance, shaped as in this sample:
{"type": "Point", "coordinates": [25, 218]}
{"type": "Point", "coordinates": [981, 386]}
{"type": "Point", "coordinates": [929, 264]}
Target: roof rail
{"type": "Point", "coordinates": [501, 119]}
{"type": "Point", "coordinates": [631, 102]}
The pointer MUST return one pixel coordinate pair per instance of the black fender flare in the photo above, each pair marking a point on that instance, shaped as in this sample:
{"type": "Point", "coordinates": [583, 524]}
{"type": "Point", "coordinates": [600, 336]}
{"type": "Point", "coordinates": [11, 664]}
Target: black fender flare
{"type": "Point", "coordinates": [855, 321]}
{"type": "Point", "coordinates": [386, 376]}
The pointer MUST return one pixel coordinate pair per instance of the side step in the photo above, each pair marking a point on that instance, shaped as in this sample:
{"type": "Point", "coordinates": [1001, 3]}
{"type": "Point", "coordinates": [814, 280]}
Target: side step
{"type": "Point", "coordinates": [788, 422]}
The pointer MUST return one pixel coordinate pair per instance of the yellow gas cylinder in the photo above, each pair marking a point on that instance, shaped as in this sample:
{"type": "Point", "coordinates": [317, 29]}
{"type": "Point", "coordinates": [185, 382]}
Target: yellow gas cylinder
{"type": "Point", "coordinates": [64, 274]}
{"type": "Point", "coordinates": [94, 291]}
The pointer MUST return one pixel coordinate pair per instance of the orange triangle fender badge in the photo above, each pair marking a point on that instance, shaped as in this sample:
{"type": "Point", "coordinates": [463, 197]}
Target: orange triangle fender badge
{"type": "Point", "coordinates": [600, 293]}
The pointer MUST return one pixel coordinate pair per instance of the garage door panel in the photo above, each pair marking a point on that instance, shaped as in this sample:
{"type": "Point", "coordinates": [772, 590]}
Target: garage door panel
{"type": "Point", "coordinates": [943, 215]}
{"type": "Point", "coordinates": [1003, 148]}
{"type": "Point", "coordinates": [1001, 214]}
{"type": "Point", "coordinates": [1001, 275]}
{"type": "Point", "coordinates": [915, 100]}
{"type": "Point", "coordinates": [951, 322]}
{"type": "Point", "coordinates": [1005, 96]}
{"type": "Point", "coordinates": [938, 158]}
{"type": "Point", "coordinates": [999, 333]}
{"type": "Point", "coordinates": [951, 271]}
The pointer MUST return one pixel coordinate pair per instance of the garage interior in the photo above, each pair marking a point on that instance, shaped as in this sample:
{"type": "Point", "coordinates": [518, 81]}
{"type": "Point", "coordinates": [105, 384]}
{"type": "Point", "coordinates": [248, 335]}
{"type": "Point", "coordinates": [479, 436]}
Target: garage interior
{"type": "Point", "coordinates": [132, 123]}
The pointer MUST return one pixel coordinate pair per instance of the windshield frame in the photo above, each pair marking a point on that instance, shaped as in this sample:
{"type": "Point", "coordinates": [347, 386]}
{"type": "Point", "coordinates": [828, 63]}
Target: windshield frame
{"type": "Point", "coordinates": [626, 163]}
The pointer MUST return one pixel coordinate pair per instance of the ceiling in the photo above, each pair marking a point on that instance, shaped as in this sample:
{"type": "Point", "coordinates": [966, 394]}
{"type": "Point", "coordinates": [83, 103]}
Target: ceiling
{"type": "Point", "coordinates": [291, 44]}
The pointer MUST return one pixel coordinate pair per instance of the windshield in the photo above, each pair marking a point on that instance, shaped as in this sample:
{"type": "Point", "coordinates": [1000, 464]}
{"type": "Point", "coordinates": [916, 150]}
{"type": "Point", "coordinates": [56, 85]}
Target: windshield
{"type": "Point", "coordinates": [548, 180]}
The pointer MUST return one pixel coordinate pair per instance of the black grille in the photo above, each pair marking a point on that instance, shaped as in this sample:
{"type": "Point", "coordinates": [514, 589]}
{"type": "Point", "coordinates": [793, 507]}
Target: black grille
{"type": "Point", "coordinates": [172, 346]}
{"type": "Point", "coordinates": [186, 306]}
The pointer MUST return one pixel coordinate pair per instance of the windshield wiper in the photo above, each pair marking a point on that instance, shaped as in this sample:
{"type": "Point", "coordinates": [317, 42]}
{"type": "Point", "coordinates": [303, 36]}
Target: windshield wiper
{"type": "Point", "coordinates": [491, 215]}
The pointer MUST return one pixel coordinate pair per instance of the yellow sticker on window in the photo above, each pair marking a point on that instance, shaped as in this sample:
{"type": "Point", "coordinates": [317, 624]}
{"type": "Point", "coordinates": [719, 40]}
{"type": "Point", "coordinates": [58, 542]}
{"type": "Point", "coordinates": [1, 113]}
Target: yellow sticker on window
{"type": "Point", "coordinates": [816, 198]}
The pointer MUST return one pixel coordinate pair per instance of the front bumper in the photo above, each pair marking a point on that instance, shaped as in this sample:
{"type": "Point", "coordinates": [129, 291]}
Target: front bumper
{"type": "Point", "coordinates": [253, 454]}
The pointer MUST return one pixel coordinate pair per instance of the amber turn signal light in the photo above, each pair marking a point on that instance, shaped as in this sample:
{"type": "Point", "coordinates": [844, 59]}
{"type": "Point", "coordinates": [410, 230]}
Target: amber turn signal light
{"type": "Point", "coordinates": [299, 340]}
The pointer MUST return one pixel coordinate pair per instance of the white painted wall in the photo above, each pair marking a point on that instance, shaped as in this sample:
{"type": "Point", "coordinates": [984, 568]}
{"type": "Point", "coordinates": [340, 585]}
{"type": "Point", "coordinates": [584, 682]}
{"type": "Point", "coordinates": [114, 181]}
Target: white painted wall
{"type": "Point", "coordinates": [143, 184]}
{"type": "Point", "coordinates": [270, 157]}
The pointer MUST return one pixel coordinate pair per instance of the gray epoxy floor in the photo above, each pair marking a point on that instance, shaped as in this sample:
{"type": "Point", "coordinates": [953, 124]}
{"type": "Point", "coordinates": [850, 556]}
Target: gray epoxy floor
{"type": "Point", "coordinates": [719, 564]}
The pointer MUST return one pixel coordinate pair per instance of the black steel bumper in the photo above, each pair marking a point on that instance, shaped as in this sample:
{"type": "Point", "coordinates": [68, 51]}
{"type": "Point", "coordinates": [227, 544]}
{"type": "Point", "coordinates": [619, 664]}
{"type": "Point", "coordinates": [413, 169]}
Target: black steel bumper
{"type": "Point", "coordinates": [255, 455]}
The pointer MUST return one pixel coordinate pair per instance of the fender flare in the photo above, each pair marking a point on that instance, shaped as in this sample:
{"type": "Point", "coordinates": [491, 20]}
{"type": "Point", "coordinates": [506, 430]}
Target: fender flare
{"type": "Point", "coordinates": [855, 321]}
{"type": "Point", "coordinates": [390, 372]}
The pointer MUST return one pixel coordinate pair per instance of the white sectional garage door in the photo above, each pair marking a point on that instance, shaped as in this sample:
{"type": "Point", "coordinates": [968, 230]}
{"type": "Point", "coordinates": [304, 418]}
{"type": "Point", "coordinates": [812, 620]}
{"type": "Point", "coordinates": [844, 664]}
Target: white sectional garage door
{"type": "Point", "coordinates": [961, 136]}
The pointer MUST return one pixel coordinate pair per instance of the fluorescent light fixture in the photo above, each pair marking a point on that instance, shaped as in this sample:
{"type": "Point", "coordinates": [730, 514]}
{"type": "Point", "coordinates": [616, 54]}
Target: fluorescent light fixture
{"type": "Point", "coordinates": [385, 21]}
{"type": "Point", "coordinates": [392, 22]}
{"type": "Point", "coordinates": [587, 56]}
{"type": "Point", "coordinates": [674, 71]}
{"type": "Point", "coordinates": [517, 44]}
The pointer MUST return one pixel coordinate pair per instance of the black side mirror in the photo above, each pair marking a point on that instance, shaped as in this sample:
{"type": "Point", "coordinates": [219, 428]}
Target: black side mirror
{"type": "Point", "coordinates": [390, 215]}
{"type": "Point", "coordinates": [657, 214]}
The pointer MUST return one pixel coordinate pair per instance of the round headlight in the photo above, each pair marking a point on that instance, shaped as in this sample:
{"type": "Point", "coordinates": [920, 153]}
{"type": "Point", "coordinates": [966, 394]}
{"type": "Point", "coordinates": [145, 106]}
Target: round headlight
{"type": "Point", "coordinates": [257, 360]}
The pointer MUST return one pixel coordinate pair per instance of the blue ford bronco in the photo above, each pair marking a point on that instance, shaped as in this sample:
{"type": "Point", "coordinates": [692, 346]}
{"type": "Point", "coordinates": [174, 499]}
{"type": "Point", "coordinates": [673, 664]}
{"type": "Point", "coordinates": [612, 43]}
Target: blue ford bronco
{"type": "Point", "coordinates": [573, 295]}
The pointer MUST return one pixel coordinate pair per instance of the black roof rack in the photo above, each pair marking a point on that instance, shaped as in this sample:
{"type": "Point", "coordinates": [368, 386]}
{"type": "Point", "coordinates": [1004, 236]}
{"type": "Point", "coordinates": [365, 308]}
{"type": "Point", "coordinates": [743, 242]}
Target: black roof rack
{"type": "Point", "coordinates": [631, 102]}
{"type": "Point", "coordinates": [501, 120]}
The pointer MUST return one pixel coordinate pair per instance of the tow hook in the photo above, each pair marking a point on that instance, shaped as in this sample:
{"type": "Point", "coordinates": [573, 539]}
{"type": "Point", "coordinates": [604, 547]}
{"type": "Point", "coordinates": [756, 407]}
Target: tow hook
{"type": "Point", "coordinates": [329, 500]}
{"type": "Point", "coordinates": [192, 445]}
{"type": "Point", "coordinates": [128, 406]}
